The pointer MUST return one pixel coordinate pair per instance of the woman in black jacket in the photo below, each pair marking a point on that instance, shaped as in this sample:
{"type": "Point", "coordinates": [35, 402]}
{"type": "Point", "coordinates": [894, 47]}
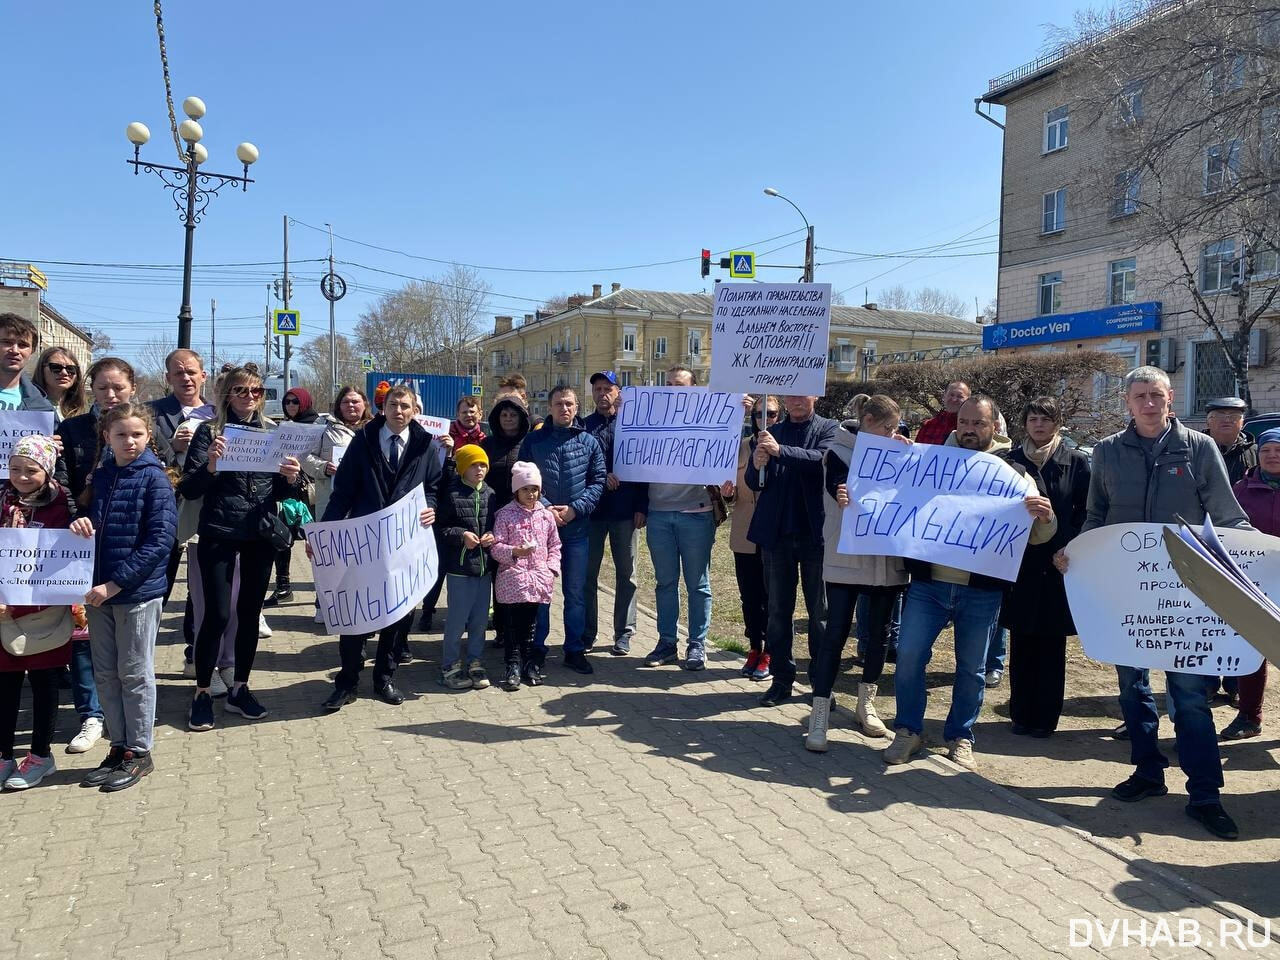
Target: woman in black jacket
{"type": "Point", "coordinates": [231, 513]}
{"type": "Point", "coordinates": [111, 382]}
{"type": "Point", "coordinates": [1035, 610]}
{"type": "Point", "coordinates": [297, 407]}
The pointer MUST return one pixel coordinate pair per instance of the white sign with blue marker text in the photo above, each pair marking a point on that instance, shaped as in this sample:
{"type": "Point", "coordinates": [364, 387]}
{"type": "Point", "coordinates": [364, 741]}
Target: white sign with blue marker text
{"type": "Point", "coordinates": [41, 567]}
{"type": "Point", "coordinates": [677, 435]}
{"type": "Point", "coordinates": [370, 572]}
{"type": "Point", "coordinates": [939, 504]}
{"type": "Point", "coordinates": [16, 424]}
{"type": "Point", "coordinates": [771, 338]}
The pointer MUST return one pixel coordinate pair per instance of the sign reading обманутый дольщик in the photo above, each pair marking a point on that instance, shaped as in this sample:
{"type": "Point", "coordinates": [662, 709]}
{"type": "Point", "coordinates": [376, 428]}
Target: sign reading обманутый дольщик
{"type": "Point", "coordinates": [1107, 322]}
{"type": "Point", "coordinates": [770, 337]}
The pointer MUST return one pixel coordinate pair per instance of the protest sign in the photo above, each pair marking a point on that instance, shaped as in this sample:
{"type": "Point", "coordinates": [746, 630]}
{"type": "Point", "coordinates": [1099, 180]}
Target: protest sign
{"type": "Point", "coordinates": [371, 571]}
{"type": "Point", "coordinates": [677, 434]}
{"type": "Point", "coordinates": [1131, 608]}
{"type": "Point", "coordinates": [44, 567]}
{"type": "Point", "coordinates": [436, 426]}
{"type": "Point", "coordinates": [940, 504]}
{"type": "Point", "coordinates": [254, 450]}
{"type": "Point", "coordinates": [771, 337]}
{"type": "Point", "coordinates": [16, 424]}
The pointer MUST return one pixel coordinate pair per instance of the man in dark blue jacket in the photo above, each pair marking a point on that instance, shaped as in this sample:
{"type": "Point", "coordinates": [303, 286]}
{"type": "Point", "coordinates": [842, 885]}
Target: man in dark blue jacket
{"type": "Point", "coordinates": [573, 480]}
{"type": "Point", "coordinates": [617, 517]}
{"type": "Point", "coordinates": [386, 460]}
{"type": "Point", "coordinates": [786, 470]}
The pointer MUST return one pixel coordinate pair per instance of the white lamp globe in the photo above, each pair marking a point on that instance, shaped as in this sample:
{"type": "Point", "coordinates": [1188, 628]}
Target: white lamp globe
{"type": "Point", "coordinates": [137, 133]}
{"type": "Point", "coordinates": [200, 153]}
{"type": "Point", "coordinates": [193, 107]}
{"type": "Point", "coordinates": [190, 131]}
{"type": "Point", "coordinates": [247, 153]}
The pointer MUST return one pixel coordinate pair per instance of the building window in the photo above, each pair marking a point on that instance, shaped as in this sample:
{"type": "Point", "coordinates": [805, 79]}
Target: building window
{"type": "Point", "coordinates": [624, 378]}
{"type": "Point", "coordinates": [577, 343]}
{"type": "Point", "coordinates": [1051, 292]}
{"type": "Point", "coordinates": [695, 343]}
{"type": "Point", "coordinates": [659, 347]}
{"type": "Point", "coordinates": [1218, 266]}
{"type": "Point", "coordinates": [1266, 264]}
{"type": "Point", "coordinates": [1213, 376]}
{"type": "Point", "coordinates": [628, 340]}
{"type": "Point", "coordinates": [1271, 137]}
{"type": "Point", "coordinates": [1055, 129]}
{"type": "Point", "coordinates": [1221, 166]}
{"type": "Point", "coordinates": [1128, 192]}
{"type": "Point", "coordinates": [1269, 29]}
{"type": "Point", "coordinates": [1054, 211]}
{"type": "Point", "coordinates": [661, 378]}
{"type": "Point", "coordinates": [1130, 104]}
{"type": "Point", "coordinates": [1123, 287]}
{"type": "Point", "coordinates": [1225, 76]}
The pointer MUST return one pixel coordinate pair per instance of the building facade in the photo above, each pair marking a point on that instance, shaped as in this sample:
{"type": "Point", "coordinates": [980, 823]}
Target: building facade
{"type": "Point", "coordinates": [22, 289]}
{"type": "Point", "coordinates": [1078, 266]}
{"type": "Point", "coordinates": [640, 334]}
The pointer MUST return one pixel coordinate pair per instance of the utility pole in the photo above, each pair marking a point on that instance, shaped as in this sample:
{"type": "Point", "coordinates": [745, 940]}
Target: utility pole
{"type": "Point", "coordinates": [284, 289]}
{"type": "Point", "coordinates": [213, 351]}
{"type": "Point", "coordinates": [266, 337]}
{"type": "Point", "coordinates": [808, 256]}
{"type": "Point", "coordinates": [333, 348]}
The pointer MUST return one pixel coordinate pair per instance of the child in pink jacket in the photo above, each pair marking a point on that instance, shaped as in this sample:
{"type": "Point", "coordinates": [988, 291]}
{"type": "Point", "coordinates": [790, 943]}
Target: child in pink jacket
{"type": "Point", "coordinates": [527, 548]}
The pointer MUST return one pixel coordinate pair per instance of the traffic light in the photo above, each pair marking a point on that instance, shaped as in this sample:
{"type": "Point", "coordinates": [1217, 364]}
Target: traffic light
{"type": "Point", "coordinates": [706, 263]}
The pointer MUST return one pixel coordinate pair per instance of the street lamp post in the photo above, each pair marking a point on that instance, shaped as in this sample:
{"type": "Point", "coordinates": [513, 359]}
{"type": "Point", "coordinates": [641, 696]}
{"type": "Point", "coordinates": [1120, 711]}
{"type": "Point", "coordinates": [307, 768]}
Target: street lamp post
{"type": "Point", "coordinates": [191, 188]}
{"type": "Point", "coordinates": [808, 241]}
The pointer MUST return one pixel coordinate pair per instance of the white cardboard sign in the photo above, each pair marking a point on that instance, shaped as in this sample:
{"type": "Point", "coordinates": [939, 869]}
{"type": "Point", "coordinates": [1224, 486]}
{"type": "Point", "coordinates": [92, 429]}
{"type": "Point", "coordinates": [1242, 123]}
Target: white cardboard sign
{"type": "Point", "coordinates": [677, 435]}
{"type": "Point", "coordinates": [16, 424]}
{"type": "Point", "coordinates": [44, 567]}
{"type": "Point", "coordinates": [254, 450]}
{"type": "Point", "coordinates": [771, 338]}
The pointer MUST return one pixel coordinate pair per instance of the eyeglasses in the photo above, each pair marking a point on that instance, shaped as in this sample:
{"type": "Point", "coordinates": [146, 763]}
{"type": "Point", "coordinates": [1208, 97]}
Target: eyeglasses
{"type": "Point", "coordinates": [758, 414]}
{"type": "Point", "coordinates": [292, 402]}
{"type": "Point", "coordinates": [70, 368]}
{"type": "Point", "coordinates": [243, 391]}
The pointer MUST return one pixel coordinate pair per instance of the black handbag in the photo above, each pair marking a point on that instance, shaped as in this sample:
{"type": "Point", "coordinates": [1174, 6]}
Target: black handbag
{"type": "Point", "coordinates": [272, 529]}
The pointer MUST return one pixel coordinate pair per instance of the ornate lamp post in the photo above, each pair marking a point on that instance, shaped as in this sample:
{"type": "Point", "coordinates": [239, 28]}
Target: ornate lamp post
{"type": "Point", "coordinates": [191, 188]}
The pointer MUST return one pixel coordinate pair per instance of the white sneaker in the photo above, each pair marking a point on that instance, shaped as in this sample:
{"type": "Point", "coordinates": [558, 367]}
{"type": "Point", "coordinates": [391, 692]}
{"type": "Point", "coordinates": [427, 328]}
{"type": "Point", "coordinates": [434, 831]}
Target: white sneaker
{"type": "Point", "coordinates": [188, 670]}
{"type": "Point", "coordinates": [960, 752]}
{"type": "Point", "coordinates": [905, 746]}
{"type": "Point", "coordinates": [993, 678]}
{"type": "Point", "coordinates": [90, 733]}
{"type": "Point", "coordinates": [264, 631]}
{"type": "Point", "coordinates": [819, 717]}
{"type": "Point", "coordinates": [217, 685]}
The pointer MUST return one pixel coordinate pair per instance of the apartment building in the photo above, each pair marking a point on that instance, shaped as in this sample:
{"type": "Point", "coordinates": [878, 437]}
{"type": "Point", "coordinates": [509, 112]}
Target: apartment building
{"type": "Point", "coordinates": [1078, 268]}
{"type": "Point", "coordinates": [22, 288]}
{"type": "Point", "coordinates": [640, 334]}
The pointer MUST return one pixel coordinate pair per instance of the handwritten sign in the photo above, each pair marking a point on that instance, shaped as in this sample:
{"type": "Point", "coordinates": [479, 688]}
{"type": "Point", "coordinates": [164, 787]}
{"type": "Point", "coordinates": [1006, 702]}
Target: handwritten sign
{"type": "Point", "coordinates": [771, 337]}
{"type": "Point", "coordinates": [939, 504]}
{"type": "Point", "coordinates": [16, 424]}
{"type": "Point", "coordinates": [1131, 608]}
{"type": "Point", "coordinates": [253, 450]}
{"type": "Point", "coordinates": [44, 567]}
{"type": "Point", "coordinates": [371, 571]}
{"type": "Point", "coordinates": [677, 434]}
{"type": "Point", "coordinates": [436, 426]}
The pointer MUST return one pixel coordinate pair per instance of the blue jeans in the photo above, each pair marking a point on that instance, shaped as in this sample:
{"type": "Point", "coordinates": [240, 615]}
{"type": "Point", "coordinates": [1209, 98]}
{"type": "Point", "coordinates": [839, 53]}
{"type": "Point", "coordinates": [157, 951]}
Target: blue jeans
{"type": "Point", "coordinates": [997, 649]}
{"type": "Point", "coordinates": [929, 607]}
{"type": "Point", "coordinates": [573, 585]}
{"type": "Point", "coordinates": [788, 563]}
{"type": "Point", "coordinates": [682, 542]}
{"type": "Point", "coordinates": [467, 610]}
{"type": "Point", "coordinates": [83, 689]}
{"type": "Point", "coordinates": [1197, 737]}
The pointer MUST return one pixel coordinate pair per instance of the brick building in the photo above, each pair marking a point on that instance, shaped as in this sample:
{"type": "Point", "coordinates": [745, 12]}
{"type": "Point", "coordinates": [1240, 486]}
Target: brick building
{"type": "Point", "coordinates": [22, 289]}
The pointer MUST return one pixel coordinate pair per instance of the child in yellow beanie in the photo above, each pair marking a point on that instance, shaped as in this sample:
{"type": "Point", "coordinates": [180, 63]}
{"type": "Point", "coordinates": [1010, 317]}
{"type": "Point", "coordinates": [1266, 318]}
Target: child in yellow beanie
{"type": "Point", "coordinates": [466, 522]}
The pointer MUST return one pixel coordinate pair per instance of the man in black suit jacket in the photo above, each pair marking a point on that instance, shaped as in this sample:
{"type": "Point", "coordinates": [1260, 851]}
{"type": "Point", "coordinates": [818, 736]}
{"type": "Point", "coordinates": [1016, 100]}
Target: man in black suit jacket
{"type": "Point", "coordinates": [386, 459]}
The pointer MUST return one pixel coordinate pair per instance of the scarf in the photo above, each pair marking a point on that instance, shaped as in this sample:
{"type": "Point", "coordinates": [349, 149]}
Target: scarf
{"type": "Point", "coordinates": [1040, 455]}
{"type": "Point", "coordinates": [462, 437]}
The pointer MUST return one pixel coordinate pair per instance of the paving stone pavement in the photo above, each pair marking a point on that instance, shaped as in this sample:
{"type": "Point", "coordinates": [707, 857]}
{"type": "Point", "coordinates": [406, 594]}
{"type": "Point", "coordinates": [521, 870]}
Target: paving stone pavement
{"type": "Point", "coordinates": [638, 813]}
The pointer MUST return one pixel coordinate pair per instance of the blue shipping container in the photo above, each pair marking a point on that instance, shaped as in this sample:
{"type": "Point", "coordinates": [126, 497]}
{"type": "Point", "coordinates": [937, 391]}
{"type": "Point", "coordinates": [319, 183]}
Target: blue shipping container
{"type": "Point", "coordinates": [438, 394]}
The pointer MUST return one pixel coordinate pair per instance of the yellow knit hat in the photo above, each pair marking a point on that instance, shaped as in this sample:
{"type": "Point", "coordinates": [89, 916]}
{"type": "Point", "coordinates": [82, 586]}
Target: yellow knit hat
{"type": "Point", "coordinates": [471, 454]}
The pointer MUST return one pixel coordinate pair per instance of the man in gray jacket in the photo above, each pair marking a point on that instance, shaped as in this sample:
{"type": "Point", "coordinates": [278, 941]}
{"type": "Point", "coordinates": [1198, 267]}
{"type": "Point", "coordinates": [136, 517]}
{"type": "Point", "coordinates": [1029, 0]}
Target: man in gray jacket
{"type": "Point", "coordinates": [1150, 472]}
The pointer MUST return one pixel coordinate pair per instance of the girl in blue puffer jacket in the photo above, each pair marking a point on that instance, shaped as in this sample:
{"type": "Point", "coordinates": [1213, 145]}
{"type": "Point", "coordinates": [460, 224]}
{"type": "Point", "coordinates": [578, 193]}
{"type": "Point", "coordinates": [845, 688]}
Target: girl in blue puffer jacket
{"type": "Point", "coordinates": [133, 520]}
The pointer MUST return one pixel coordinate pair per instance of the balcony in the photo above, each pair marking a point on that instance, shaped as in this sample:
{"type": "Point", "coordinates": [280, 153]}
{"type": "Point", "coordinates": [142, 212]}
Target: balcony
{"type": "Point", "coordinates": [562, 357]}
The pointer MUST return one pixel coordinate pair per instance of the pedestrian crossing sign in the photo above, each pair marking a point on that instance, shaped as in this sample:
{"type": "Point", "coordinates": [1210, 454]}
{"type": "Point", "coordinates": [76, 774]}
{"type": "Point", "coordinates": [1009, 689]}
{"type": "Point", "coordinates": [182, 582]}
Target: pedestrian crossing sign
{"type": "Point", "coordinates": [742, 264]}
{"type": "Point", "coordinates": [286, 322]}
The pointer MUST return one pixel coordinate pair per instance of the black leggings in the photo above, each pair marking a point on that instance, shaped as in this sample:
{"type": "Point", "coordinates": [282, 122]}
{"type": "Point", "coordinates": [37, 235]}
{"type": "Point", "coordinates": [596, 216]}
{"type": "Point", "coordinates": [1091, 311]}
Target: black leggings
{"type": "Point", "coordinates": [44, 709]}
{"type": "Point", "coordinates": [1037, 678]}
{"type": "Point", "coordinates": [841, 600]}
{"type": "Point", "coordinates": [217, 565]}
{"type": "Point", "coordinates": [748, 568]}
{"type": "Point", "coordinates": [519, 620]}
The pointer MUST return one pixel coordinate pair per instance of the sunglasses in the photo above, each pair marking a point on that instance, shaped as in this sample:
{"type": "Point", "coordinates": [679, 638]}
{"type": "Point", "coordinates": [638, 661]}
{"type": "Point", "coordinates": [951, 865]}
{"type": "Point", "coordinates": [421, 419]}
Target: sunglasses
{"type": "Point", "coordinates": [70, 368]}
{"type": "Point", "coordinates": [243, 391]}
{"type": "Point", "coordinates": [758, 414]}
{"type": "Point", "coordinates": [292, 402]}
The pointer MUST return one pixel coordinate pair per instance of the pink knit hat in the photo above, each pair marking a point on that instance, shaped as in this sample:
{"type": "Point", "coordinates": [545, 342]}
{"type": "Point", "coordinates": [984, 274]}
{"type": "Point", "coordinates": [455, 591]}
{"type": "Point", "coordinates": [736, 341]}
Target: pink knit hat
{"type": "Point", "coordinates": [525, 474]}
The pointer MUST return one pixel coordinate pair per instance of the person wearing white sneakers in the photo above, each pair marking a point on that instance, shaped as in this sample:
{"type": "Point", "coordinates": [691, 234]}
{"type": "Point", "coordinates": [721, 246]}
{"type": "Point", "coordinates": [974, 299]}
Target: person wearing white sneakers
{"type": "Point", "coordinates": [848, 578]}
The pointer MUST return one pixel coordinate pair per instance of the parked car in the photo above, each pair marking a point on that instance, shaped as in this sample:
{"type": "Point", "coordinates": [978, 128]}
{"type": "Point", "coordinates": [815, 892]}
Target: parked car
{"type": "Point", "coordinates": [1260, 422]}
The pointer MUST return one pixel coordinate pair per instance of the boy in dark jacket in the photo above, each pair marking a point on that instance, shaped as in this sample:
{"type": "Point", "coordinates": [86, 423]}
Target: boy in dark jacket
{"type": "Point", "coordinates": [466, 522]}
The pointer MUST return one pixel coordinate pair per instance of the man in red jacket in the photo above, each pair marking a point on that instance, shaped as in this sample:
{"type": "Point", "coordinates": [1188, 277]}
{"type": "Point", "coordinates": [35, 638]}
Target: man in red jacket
{"type": "Point", "coordinates": [937, 429]}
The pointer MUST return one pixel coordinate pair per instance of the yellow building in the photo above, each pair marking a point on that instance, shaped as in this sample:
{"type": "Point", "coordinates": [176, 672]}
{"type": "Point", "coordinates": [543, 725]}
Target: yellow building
{"type": "Point", "coordinates": [640, 334]}
{"type": "Point", "coordinates": [21, 291]}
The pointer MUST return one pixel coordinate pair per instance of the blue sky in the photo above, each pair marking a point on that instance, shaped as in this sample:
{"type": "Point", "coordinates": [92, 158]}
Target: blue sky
{"type": "Point", "coordinates": [552, 137]}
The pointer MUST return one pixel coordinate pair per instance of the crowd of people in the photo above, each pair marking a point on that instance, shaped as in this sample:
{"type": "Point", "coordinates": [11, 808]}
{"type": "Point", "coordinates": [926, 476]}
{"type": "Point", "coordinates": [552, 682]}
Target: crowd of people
{"type": "Point", "coordinates": [517, 506]}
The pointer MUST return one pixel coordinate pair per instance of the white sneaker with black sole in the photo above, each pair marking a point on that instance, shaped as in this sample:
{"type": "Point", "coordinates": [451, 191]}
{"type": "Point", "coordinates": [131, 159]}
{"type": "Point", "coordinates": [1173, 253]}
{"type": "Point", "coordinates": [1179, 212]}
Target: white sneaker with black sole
{"type": "Point", "coordinates": [90, 733]}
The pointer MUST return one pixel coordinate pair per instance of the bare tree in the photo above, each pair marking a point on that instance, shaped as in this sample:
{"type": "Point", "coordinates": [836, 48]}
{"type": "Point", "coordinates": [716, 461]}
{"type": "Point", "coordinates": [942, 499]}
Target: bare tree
{"type": "Point", "coordinates": [313, 368]}
{"type": "Point", "coordinates": [923, 300]}
{"type": "Point", "coordinates": [402, 330]}
{"type": "Point", "coordinates": [463, 293]}
{"type": "Point", "coordinates": [102, 344]}
{"type": "Point", "coordinates": [1185, 97]}
{"type": "Point", "coordinates": [148, 366]}
{"type": "Point", "coordinates": [557, 304]}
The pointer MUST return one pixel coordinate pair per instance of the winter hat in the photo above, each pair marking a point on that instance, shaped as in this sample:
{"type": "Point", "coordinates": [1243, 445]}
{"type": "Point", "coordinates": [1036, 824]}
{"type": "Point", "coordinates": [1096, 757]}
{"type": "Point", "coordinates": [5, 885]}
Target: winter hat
{"type": "Point", "coordinates": [468, 456]}
{"type": "Point", "coordinates": [1267, 436]}
{"type": "Point", "coordinates": [525, 474]}
{"type": "Point", "coordinates": [380, 393]}
{"type": "Point", "coordinates": [37, 448]}
{"type": "Point", "coordinates": [304, 398]}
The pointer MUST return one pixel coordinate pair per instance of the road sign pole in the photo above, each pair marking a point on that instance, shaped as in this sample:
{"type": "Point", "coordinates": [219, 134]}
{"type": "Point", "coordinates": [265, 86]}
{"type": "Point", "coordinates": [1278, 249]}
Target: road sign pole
{"type": "Point", "coordinates": [285, 290]}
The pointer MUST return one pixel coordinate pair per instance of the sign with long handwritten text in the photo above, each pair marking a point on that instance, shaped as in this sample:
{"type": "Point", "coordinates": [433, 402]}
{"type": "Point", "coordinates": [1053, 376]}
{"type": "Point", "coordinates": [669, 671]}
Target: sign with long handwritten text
{"type": "Point", "coordinates": [939, 504]}
{"type": "Point", "coordinates": [1131, 608]}
{"type": "Point", "coordinates": [677, 435]}
{"type": "Point", "coordinates": [253, 450]}
{"type": "Point", "coordinates": [40, 567]}
{"type": "Point", "coordinates": [371, 571]}
{"type": "Point", "coordinates": [16, 424]}
{"type": "Point", "coordinates": [771, 337]}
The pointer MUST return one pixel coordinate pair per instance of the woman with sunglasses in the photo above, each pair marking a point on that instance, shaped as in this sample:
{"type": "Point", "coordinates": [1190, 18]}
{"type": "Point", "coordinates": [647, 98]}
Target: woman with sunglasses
{"type": "Point", "coordinates": [296, 405]}
{"type": "Point", "coordinates": [748, 561]}
{"type": "Point", "coordinates": [232, 508]}
{"type": "Point", "coordinates": [58, 375]}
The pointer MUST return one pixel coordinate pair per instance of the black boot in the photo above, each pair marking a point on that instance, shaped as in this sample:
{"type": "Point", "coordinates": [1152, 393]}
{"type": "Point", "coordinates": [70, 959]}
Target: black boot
{"type": "Point", "coordinates": [283, 592]}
